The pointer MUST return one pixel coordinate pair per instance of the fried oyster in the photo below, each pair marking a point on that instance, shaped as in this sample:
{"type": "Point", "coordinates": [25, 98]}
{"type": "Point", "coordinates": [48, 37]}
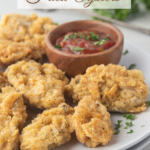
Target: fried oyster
{"type": "Point", "coordinates": [92, 122]}
{"type": "Point", "coordinates": [12, 118]}
{"type": "Point", "coordinates": [23, 36]}
{"type": "Point", "coordinates": [50, 129]}
{"type": "Point", "coordinates": [42, 86]}
{"type": "Point", "coordinates": [118, 89]}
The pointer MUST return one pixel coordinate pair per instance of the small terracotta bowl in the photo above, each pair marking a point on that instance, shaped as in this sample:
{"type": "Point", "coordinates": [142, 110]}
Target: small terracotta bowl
{"type": "Point", "coordinates": [74, 64]}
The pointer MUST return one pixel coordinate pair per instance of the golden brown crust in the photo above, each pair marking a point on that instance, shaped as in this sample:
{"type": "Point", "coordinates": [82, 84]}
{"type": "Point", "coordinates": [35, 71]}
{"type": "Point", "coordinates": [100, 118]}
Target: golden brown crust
{"type": "Point", "coordinates": [50, 129]}
{"type": "Point", "coordinates": [42, 86]}
{"type": "Point", "coordinates": [3, 81]}
{"type": "Point", "coordinates": [23, 36]}
{"type": "Point", "coordinates": [12, 118]}
{"type": "Point", "coordinates": [92, 122]}
{"type": "Point", "coordinates": [119, 89]}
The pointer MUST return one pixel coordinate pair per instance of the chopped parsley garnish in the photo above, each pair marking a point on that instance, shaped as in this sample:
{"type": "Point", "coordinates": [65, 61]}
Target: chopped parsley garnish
{"type": "Point", "coordinates": [93, 36]}
{"type": "Point", "coordinates": [131, 66]}
{"type": "Point", "coordinates": [82, 53]}
{"type": "Point", "coordinates": [92, 49]}
{"type": "Point", "coordinates": [131, 131]}
{"type": "Point", "coordinates": [58, 46]}
{"type": "Point", "coordinates": [117, 132]}
{"type": "Point", "coordinates": [102, 41]}
{"type": "Point", "coordinates": [117, 126]}
{"type": "Point", "coordinates": [55, 23]}
{"type": "Point", "coordinates": [142, 125]}
{"type": "Point", "coordinates": [126, 52]}
{"type": "Point", "coordinates": [129, 124]}
{"type": "Point", "coordinates": [73, 36]}
{"type": "Point", "coordinates": [77, 49]}
{"type": "Point", "coordinates": [129, 116]}
{"type": "Point", "coordinates": [66, 37]}
{"type": "Point", "coordinates": [148, 102]}
{"type": "Point", "coordinates": [102, 50]}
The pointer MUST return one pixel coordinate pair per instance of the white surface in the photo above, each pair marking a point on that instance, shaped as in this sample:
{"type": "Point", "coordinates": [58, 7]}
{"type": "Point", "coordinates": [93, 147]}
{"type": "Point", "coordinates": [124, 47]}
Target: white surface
{"type": "Point", "coordinates": [61, 16]}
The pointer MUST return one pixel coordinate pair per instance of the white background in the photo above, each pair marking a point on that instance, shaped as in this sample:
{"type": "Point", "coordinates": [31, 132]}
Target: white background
{"type": "Point", "coordinates": [62, 16]}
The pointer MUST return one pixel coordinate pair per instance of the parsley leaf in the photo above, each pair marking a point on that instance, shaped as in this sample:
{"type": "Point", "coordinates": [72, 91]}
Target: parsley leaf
{"type": "Point", "coordinates": [93, 36]}
{"type": "Point", "coordinates": [117, 132]}
{"type": "Point", "coordinates": [58, 46]}
{"type": "Point", "coordinates": [126, 52]}
{"type": "Point", "coordinates": [77, 49]}
{"type": "Point", "coordinates": [131, 66]}
{"type": "Point", "coordinates": [142, 125]}
{"type": "Point", "coordinates": [117, 126]}
{"type": "Point", "coordinates": [73, 36]}
{"type": "Point", "coordinates": [131, 131]}
{"type": "Point", "coordinates": [129, 116]}
{"type": "Point", "coordinates": [66, 37]}
{"type": "Point", "coordinates": [102, 50]}
{"type": "Point", "coordinates": [148, 102]}
{"type": "Point", "coordinates": [129, 124]}
{"type": "Point", "coordinates": [102, 41]}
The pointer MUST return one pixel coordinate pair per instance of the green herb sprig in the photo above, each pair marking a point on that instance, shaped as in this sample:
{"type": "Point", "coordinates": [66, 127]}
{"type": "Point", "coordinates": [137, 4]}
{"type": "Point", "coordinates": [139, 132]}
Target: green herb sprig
{"type": "Point", "coordinates": [93, 36]}
{"type": "Point", "coordinates": [66, 38]}
{"type": "Point", "coordinates": [129, 124]}
{"type": "Point", "coordinates": [77, 49]}
{"type": "Point", "coordinates": [131, 131]}
{"type": "Point", "coordinates": [102, 41]}
{"type": "Point", "coordinates": [126, 52]}
{"type": "Point", "coordinates": [131, 66]}
{"type": "Point", "coordinates": [148, 102]}
{"type": "Point", "coordinates": [58, 46]}
{"type": "Point", "coordinates": [73, 36]}
{"type": "Point", "coordinates": [117, 127]}
{"type": "Point", "coordinates": [129, 116]}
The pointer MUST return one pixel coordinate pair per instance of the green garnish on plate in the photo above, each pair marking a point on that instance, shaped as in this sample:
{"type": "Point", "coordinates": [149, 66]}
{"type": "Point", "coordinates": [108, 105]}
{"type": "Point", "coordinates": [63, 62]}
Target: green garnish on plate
{"type": "Point", "coordinates": [129, 124]}
{"type": "Point", "coordinates": [131, 131]}
{"type": "Point", "coordinates": [117, 127]}
{"type": "Point", "coordinates": [129, 116]}
{"type": "Point", "coordinates": [131, 66]}
{"type": "Point", "coordinates": [126, 52]}
{"type": "Point", "coordinates": [148, 102]}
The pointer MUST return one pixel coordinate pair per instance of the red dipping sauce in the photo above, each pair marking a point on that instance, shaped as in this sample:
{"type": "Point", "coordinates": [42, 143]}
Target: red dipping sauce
{"type": "Point", "coordinates": [84, 42]}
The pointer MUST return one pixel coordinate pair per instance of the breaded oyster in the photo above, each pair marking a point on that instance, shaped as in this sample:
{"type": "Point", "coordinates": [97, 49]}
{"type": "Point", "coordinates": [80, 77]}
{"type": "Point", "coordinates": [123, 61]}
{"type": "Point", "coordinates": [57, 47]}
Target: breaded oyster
{"type": "Point", "coordinates": [42, 86]}
{"type": "Point", "coordinates": [120, 90]}
{"type": "Point", "coordinates": [50, 129]}
{"type": "Point", "coordinates": [12, 118]}
{"type": "Point", "coordinates": [92, 122]}
{"type": "Point", "coordinates": [23, 36]}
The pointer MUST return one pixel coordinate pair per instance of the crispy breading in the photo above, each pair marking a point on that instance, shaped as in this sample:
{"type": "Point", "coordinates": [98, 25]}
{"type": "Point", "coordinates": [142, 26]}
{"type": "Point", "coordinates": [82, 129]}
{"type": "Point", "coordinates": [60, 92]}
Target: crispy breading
{"type": "Point", "coordinates": [9, 138]}
{"type": "Point", "coordinates": [42, 86]}
{"type": "Point", "coordinates": [23, 36]}
{"type": "Point", "coordinates": [92, 122]}
{"type": "Point", "coordinates": [12, 118]}
{"type": "Point", "coordinates": [120, 90]}
{"type": "Point", "coordinates": [3, 81]}
{"type": "Point", "coordinates": [50, 129]}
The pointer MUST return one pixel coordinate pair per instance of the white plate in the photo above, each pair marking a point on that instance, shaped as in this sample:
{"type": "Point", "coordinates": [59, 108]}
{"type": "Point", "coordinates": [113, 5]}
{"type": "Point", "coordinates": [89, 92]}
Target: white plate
{"type": "Point", "coordinates": [123, 140]}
